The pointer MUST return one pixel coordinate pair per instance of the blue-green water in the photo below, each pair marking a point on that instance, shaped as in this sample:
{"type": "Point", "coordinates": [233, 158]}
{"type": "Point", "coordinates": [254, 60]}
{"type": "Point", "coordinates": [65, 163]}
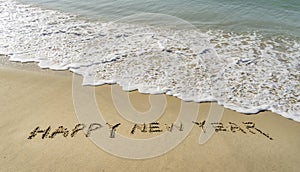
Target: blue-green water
{"type": "Point", "coordinates": [243, 54]}
{"type": "Point", "coordinates": [280, 16]}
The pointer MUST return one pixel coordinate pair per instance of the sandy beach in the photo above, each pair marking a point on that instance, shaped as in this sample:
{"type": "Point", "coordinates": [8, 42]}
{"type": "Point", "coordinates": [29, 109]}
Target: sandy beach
{"type": "Point", "coordinates": [62, 111]}
{"type": "Point", "coordinates": [31, 99]}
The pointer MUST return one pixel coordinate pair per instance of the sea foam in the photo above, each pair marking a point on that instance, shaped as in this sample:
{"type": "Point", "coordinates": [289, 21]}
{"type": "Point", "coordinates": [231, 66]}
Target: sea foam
{"type": "Point", "coordinates": [247, 72]}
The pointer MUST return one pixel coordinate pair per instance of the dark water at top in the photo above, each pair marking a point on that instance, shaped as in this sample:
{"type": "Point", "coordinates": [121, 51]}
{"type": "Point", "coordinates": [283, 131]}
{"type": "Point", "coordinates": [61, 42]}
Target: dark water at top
{"type": "Point", "coordinates": [279, 16]}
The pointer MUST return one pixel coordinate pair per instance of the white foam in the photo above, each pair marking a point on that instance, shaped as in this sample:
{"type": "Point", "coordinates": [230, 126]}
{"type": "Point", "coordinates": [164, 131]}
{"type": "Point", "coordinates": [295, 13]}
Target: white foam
{"type": "Point", "coordinates": [246, 72]}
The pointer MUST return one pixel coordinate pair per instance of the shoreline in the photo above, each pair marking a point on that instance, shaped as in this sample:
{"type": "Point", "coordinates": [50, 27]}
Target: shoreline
{"type": "Point", "coordinates": [31, 98]}
{"type": "Point", "coordinates": [33, 67]}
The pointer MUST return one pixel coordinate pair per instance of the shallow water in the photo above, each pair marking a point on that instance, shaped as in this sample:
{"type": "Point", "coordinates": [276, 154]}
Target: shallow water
{"type": "Point", "coordinates": [242, 69]}
{"type": "Point", "coordinates": [229, 15]}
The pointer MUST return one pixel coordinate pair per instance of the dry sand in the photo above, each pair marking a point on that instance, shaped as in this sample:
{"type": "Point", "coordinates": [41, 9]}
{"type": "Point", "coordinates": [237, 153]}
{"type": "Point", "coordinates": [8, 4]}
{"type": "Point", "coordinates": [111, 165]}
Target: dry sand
{"type": "Point", "coordinates": [31, 98]}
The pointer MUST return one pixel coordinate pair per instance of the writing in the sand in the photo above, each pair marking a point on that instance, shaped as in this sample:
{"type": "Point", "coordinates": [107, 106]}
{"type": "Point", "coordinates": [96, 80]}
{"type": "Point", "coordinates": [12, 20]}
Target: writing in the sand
{"type": "Point", "coordinates": [154, 127]}
{"type": "Point", "coordinates": [245, 128]}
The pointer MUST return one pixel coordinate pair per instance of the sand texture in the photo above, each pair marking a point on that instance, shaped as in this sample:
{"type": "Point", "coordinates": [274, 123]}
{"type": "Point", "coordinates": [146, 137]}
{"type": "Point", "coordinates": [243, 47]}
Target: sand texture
{"type": "Point", "coordinates": [31, 99]}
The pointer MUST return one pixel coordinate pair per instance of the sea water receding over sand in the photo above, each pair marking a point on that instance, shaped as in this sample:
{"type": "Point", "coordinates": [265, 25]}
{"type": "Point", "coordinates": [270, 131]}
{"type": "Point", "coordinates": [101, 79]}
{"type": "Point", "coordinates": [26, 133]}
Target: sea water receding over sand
{"type": "Point", "coordinates": [247, 72]}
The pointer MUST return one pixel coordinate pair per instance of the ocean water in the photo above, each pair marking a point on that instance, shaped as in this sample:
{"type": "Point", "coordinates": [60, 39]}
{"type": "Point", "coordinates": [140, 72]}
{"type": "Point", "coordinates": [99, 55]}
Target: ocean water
{"type": "Point", "coordinates": [281, 16]}
{"type": "Point", "coordinates": [243, 54]}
